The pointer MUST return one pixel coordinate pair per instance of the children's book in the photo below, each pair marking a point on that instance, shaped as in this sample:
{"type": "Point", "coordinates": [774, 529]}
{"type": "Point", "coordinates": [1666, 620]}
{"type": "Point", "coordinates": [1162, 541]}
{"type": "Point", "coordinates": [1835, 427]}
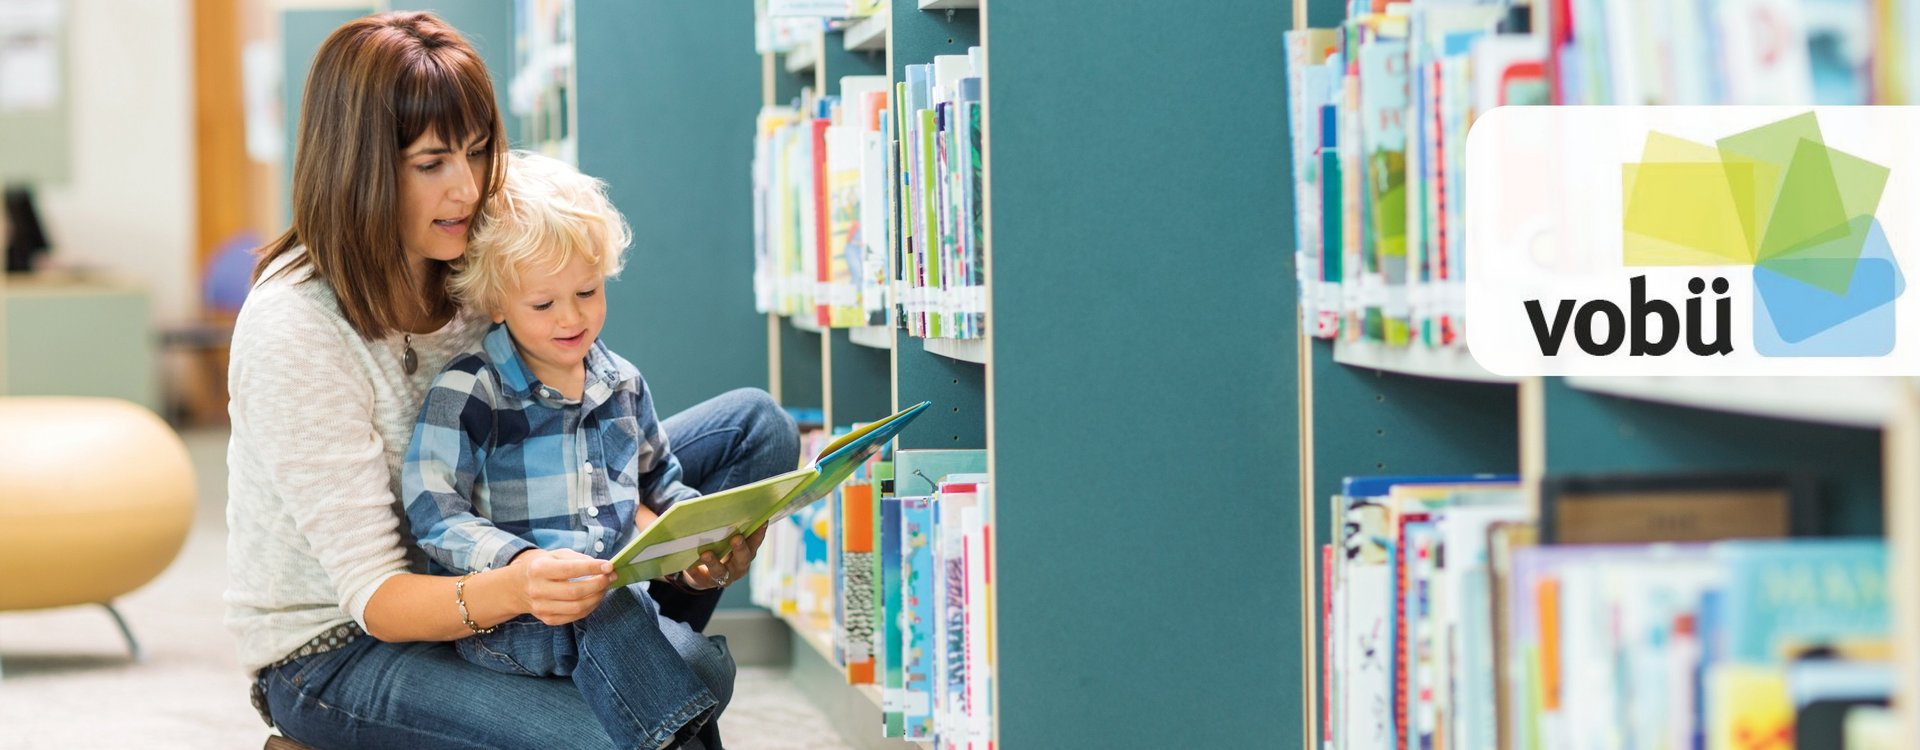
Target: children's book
{"type": "Point", "coordinates": [676, 539]}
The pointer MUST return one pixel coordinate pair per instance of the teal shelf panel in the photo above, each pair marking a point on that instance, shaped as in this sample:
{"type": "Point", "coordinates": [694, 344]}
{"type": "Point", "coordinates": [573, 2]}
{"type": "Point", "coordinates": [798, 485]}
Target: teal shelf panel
{"type": "Point", "coordinates": [958, 390]}
{"type": "Point", "coordinates": [1325, 14]}
{"type": "Point", "coordinates": [787, 85]}
{"type": "Point", "coordinates": [1591, 432]}
{"type": "Point", "coordinates": [958, 417]}
{"type": "Point", "coordinates": [919, 35]}
{"type": "Point", "coordinates": [1369, 423]}
{"type": "Point", "coordinates": [1145, 419]}
{"type": "Point", "coordinates": [800, 368]}
{"type": "Point", "coordinates": [488, 26]}
{"type": "Point", "coordinates": [667, 106]}
{"type": "Point", "coordinates": [301, 34]}
{"type": "Point", "coordinates": [862, 380]}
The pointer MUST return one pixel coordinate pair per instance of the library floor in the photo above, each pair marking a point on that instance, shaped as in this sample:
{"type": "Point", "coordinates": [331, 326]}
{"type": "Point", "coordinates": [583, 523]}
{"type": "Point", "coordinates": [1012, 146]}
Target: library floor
{"type": "Point", "coordinates": [65, 680]}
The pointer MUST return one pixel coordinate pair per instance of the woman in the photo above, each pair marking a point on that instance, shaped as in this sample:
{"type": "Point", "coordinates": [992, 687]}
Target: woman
{"type": "Point", "coordinates": [400, 143]}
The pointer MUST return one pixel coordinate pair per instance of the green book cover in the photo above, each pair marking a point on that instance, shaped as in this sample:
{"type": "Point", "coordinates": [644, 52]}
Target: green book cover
{"type": "Point", "coordinates": [675, 540]}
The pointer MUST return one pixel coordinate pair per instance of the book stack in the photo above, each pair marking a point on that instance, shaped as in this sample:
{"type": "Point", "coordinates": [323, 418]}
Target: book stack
{"type": "Point", "coordinates": [1380, 109]}
{"type": "Point", "coordinates": [820, 183]}
{"type": "Point", "coordinates": [895, 567]}
{"type": "Point", "coordinates": [941, 266]}
{"type": "Point", "coordinates": [1446, 622]}
{"type": "Point", "coordinates": [938, 667]}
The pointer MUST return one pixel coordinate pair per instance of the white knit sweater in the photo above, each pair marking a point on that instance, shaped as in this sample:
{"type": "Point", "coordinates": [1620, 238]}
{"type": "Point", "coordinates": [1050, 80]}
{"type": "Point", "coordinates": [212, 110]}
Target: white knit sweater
{"type": "Point", "coordinates": [321, 421]}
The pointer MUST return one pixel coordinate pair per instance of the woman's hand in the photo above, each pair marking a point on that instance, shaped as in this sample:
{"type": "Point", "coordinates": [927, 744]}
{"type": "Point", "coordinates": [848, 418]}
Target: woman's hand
{"type": "Point", "coordinates": [560, 586]}
{"type": "Point", "coordinates": [715, 572]}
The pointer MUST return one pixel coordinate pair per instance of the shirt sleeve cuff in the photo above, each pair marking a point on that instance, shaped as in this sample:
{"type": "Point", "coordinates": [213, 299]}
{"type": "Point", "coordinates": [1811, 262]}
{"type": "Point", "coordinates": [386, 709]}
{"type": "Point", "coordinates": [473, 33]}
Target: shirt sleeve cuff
{"type": "Point", "coordinates": [673, 496]}
{"type": "Point", "coordinates": [357, 603]}
{"type": "Point", "coordinates": [504, 547]}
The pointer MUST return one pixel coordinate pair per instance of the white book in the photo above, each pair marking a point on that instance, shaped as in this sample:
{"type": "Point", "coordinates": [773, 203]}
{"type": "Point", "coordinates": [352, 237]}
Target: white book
{"type": "Point", "coordinates": [1765, 44]}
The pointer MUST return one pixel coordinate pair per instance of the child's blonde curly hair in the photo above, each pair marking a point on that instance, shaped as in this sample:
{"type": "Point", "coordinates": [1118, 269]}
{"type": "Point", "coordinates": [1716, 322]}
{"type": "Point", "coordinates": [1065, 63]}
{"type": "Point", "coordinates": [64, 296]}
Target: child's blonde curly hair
{"type": "Point", "coordinates": [545, 213]}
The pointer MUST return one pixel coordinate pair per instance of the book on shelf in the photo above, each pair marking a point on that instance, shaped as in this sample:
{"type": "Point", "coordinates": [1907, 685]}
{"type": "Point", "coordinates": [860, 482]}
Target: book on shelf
{"type": "Point", "coordinates": [820, 207]}
{"type": "Point", "coordinates": [1449, 626]}
{"type": "Point", "coordinates": [1380, 109]}
{"type": "Point", "coordinates": [940, 262]}
{"type": "Point", "coordinates": [675, 540]}
{"type": "Point", "coordinates": [936, 489]}
{"type": "Point", "coordinates": [1676, 507]}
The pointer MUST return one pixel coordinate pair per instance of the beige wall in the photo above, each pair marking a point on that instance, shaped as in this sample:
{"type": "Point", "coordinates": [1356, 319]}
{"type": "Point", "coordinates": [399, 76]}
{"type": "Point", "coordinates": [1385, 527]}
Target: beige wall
{"type": "Point", "coordinates": [129, 206]}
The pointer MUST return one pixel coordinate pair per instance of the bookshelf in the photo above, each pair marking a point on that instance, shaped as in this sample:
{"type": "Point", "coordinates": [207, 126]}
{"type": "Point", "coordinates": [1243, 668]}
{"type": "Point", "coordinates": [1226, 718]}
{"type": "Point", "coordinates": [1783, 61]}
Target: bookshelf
{"type": "Point", "coordinates": [1040, 395]}
{"type": "Point", "coordinates": [1369, 409]}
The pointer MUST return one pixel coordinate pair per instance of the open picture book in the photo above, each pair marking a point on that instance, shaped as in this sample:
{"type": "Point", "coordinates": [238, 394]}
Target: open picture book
{"type": "Point", "coordinates": [674, 541]}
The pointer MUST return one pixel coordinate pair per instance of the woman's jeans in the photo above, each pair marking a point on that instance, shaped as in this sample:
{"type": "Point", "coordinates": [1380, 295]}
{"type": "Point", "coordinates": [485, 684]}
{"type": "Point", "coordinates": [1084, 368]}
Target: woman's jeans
{"type": "Point", "coordinates": [652, 667]}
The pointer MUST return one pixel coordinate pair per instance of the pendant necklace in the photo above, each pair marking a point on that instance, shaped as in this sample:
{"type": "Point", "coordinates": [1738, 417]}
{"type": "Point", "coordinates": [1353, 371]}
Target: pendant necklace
{"type": "Point", "coordinates": [409, 361]}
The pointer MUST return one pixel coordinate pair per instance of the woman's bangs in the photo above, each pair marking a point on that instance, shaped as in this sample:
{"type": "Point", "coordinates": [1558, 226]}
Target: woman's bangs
{"type": "Point", "coordinates": [447, 95]}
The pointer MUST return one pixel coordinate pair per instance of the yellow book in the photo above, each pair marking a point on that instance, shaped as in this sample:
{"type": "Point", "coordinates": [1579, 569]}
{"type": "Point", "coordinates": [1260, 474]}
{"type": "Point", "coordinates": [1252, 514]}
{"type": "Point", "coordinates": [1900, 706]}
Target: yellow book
{"type": "Point", "coordinates": [1748, 708]}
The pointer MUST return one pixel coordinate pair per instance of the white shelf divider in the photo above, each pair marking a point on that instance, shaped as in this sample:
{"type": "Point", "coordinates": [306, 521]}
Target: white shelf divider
{"type": "Point", "coordinates": [877, 337]}
{"type": "Point", "coordinates": [802, 57]}
{"type": "Point", "coordinates": [867, 35]}
{"type": "Point", "coordinates": [805, 323]}
{"type": "Point", "coordinates": [1844, 401]}
{"type": "Point", "coordinates": [965, 350]}
{"type": "Point", "coordinates": [1418, 360]}
{"type": "Point", "coordinates": [948, 4]}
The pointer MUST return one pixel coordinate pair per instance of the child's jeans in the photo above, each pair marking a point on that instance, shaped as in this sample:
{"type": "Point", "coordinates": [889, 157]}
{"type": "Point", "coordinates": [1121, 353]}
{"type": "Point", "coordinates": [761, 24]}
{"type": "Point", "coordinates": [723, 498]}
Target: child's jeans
{"type": "Point", "coordinates": [650, 680]}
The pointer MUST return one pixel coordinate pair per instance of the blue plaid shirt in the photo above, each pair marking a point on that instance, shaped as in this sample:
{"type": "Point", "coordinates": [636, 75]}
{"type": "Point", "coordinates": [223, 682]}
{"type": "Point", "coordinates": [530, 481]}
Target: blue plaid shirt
{"type": "Point", "coordinates": [501, 463]}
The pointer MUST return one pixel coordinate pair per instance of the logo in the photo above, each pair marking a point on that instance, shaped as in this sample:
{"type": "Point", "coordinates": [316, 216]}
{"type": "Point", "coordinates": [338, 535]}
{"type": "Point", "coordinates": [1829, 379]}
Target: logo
{"type": "Point", "coordinates": [1689, 240]}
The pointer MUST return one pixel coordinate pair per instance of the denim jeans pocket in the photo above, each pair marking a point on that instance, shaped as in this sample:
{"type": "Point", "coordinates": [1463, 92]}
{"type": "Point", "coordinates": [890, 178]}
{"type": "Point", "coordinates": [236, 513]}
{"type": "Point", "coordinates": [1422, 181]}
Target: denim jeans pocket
{"type": "Point", "coordinates": [521, 646]}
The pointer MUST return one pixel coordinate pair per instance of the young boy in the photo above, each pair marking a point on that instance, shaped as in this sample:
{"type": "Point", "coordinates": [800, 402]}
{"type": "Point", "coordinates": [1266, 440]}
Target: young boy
{"type": "Point", "coordinates": [546, 439]}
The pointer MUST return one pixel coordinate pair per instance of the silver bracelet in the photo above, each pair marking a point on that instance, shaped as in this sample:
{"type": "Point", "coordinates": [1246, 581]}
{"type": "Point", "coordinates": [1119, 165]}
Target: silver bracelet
{"type": "Point", "coordinates": [460, 598]}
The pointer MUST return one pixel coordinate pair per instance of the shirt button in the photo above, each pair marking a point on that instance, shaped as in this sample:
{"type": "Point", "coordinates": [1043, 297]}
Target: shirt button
{"type": "Point", "coordinates": [599, 546]}
{"type": "Point", "coordinates": [593, 510]}
{"type": "Point", "coordinates": [587, 467]}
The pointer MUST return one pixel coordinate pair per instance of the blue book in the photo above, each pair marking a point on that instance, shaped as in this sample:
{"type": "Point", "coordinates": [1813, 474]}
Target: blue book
{"type": "Point", "coordinates": [1786, 597]}
{"type": "Point", "coordinates": [917, 571]}
{"type": "Point", "coordinates": [891, 656]}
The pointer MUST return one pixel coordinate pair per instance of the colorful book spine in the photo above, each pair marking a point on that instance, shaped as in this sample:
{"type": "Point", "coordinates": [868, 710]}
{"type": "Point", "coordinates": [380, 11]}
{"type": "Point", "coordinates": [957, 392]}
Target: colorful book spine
{"type": "Point", "coordinates": [858, 613]}
{"type": "Point", "coordinates": [918, 613]}
{"type": "Point", "coordinates": [892, 617]}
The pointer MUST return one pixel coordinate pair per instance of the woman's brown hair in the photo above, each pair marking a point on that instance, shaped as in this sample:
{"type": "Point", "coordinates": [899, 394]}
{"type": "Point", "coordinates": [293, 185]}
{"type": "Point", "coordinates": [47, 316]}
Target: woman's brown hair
{"type": "Point", "coordinates": [377, 84]}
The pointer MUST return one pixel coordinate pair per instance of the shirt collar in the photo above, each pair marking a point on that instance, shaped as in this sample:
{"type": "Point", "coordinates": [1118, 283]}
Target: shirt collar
{"type": "Point", "coordinates": [606, 372]}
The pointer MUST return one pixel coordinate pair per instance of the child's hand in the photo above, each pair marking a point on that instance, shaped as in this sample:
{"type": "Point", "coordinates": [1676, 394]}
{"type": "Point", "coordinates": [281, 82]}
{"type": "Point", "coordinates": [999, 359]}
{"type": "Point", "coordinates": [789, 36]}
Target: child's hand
{"type": "Point", "coordinates": [713, 572]}
{"type": "Point", "coordinates": [561, 586]}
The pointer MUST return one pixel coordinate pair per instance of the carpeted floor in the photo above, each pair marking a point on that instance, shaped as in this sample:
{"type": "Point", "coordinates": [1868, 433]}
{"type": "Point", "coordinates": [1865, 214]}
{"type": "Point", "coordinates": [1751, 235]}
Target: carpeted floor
{"type": "Point", "coordinates": [67, 681]}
